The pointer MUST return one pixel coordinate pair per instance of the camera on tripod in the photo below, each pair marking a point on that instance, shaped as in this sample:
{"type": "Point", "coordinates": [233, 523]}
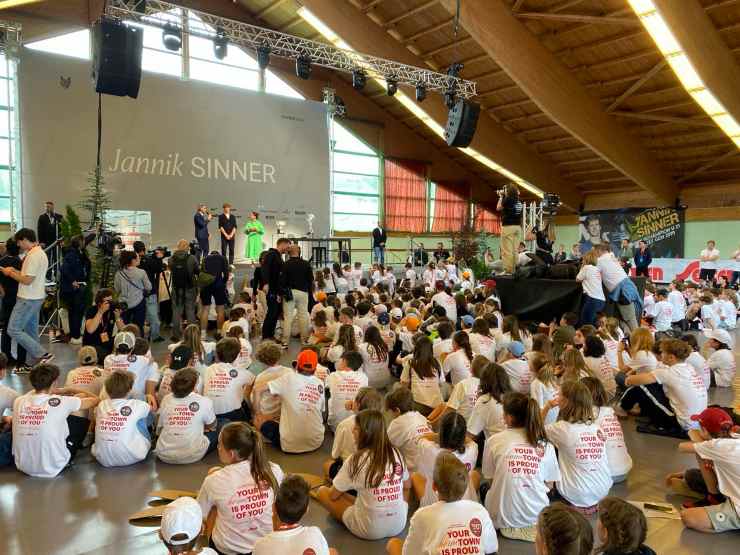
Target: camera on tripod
{"type": "Point", "coordinates": [166, 253]}
{"type": "Point", "coordinates": [107, 241]}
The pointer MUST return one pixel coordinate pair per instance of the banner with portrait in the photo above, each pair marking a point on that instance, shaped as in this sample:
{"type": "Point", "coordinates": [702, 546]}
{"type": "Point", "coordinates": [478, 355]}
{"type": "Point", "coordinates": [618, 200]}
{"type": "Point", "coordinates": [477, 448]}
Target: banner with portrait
{"type": "Point", "coordinates": [661, 228]}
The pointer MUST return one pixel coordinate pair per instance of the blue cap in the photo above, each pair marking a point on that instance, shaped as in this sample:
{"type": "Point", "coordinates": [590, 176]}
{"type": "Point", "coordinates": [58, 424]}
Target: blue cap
{"type": "Point", "coordinates": [468, 320]}
{"type": "Point", "coordinates": [384, 319]}
{"type": "Point", "coordinates": [516, 348]}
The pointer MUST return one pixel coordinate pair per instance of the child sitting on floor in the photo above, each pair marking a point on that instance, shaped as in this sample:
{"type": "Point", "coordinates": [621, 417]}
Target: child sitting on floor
{"type": "Point", "coordinates": [622, 528]}
{"type": "Point", "coordinates": [344, 385]}
{"type": "Point", "coordinates": [146, 375]}
{"type": "Point", "coordinates": [182, 523]}
{"type": "Point", "coordinates": [464, 395]}
{"type": "Point", "coordinates": [562, 529]}
{"type": "Point", "coordinates": [407, 426]}
{"type": "Point", "coordinates": [181, 357]}
{"type": "Point", "coordinates": [488, 412]}
{"type": "Point", "coordinates": [288, 536]}
{"type": "Point", "coordinates": [244, 360]}
{"type": "Point", "coordinates": [226, 385]}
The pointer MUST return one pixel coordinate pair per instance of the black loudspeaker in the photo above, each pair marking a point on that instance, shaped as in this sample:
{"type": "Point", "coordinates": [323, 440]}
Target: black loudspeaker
{"type": "Point", "coordinates": [116, 62]}
{"type": "Point", "coordinates": [461, 123]}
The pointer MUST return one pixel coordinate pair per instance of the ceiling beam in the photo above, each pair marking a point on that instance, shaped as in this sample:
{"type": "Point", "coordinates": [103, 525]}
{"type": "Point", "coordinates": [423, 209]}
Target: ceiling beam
{"type": "Point", "coordinates": [432, 29]}
{"type": "Point", "coordinates": [708, 52]}
{"type": "Point", "coordinates": [453, 44]}
{"type": "Point", "coordinates": [491, 139]}
{"type": "Point", "coordinates": [558, 93]}
{"type": "Point", "coordinates": [703, 168]}
{"type": "Point", "coordinates": [517, 6]}
{"type": "Point", "coordinates": [418, 9]}
{"type": "Point", "coordinates": [564, 6]}
{"type": "Point", "coordinates": [371, 5]}
{"type": "Point", "coordinates": [579, 18]}
{"type": "Point", "coordinates": [639, 83]}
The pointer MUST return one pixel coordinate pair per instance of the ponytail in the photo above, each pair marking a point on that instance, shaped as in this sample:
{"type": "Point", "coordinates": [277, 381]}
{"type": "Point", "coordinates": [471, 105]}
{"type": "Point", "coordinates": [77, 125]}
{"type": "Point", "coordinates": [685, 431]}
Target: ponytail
{"type": "Point", "coordinates": [525, 413]}
{"type": "Point", "coordinates": [244, 439]}
{"type": "Point", "coordinates": [462, 340]}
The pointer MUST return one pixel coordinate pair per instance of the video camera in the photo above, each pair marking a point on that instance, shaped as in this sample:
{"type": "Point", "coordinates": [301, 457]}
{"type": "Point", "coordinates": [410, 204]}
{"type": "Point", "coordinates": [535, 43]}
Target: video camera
{"type": "Point", "coordinates": [107, 241]}
{"type": "Point", "coordinates": [116, 305]}
{"type": "Point", "coordinates": [166, 252]}
{"type": "Point", "coordinates": [195, 248]}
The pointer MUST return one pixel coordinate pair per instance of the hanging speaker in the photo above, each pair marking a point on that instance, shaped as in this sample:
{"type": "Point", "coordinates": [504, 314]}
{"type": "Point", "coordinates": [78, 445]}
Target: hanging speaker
{"type": "Point", "coordinates": [116, 64]}
{"type": "Point", "coordinates": [461, 123]}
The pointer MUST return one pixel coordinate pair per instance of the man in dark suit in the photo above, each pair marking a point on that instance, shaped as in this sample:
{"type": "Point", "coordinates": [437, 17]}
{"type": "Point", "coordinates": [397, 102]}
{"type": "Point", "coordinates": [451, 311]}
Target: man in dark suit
{"type": "Point", "coordinates": [47, 231]}
{"type": "Point", "coordinates": [379, 240]}
{"type": "Point", "coordinates": [227, 229]}
{"type": "Point", "coordinates": [201, 219]}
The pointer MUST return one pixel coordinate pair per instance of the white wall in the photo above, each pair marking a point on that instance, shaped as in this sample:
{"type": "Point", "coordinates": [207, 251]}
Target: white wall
{"type": "Point", "coordinates": [156, 149]}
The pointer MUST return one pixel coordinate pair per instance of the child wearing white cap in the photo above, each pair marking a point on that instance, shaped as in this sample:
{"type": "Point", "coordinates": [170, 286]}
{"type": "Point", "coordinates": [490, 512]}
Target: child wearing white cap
{"type": "Point", "coordinates": [146, 376]}
{"type": "Point", "coordinates": [722, 361]}
{"type": "Point", "coordinates": [182, 523]}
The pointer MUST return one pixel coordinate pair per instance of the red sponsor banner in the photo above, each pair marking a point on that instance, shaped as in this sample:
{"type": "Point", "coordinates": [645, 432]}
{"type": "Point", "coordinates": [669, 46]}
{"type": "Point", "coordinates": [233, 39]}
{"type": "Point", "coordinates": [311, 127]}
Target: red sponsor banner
{"type": "Point", "coordinates": [665, 270]}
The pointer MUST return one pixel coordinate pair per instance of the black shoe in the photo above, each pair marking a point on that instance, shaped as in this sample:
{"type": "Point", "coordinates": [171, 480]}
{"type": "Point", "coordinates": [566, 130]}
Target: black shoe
{"type": "Point", "coordinates": [46, 358]}
{"type": "Point", "coordinates": [158, 339]}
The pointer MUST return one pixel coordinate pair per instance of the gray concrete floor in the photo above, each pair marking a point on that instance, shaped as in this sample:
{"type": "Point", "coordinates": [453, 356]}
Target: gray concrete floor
{"type": "Point", "coordinates": [85, 509]}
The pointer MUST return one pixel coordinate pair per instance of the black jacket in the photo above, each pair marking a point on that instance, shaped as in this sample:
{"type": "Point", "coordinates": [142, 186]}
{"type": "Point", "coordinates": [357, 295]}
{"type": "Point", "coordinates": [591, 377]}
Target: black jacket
{"type": "Point", "coordinates": [201, 226]}
{"type": "Point", "coordinates": [216, 265]}
{"type": "Point", "coordinates": [297, 274]}
{"type": "Point", "coordinates": [153, 267]}
{"type": "Point", "coordinates": [379, 237]}
{"type": "Point", "coordinates": [75, 267]}
{"type": "Point", "coordinates": [272, 268]}
{"type": "Point", "coordinates": [46, 229]}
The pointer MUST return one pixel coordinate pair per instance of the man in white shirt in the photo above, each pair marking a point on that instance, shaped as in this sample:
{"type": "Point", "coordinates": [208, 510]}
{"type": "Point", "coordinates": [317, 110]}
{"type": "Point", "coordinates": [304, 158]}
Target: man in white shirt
{"type": "Point", "coordinates": [446, 301]}
{"type": "Point", "coordinates": [23, 326]}
{"type": "Point", "coordinates": [709, 261]}
{"type": "Point", "coordinates": [620, 287]}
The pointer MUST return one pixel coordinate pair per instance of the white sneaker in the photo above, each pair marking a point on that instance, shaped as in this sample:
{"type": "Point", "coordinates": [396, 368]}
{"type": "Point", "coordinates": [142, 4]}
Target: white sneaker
{"type": "Point", "coordinates": [74, 341]}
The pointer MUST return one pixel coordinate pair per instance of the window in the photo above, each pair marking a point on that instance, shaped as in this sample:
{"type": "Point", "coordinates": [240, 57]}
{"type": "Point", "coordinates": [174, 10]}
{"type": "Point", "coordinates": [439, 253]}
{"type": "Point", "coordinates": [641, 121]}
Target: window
{"type": "Point", "coordinates": [76, 45]}
{"type": "Point", "coordinates": [9, 143]}
{"type": "Point", "coordinates": [275, 85]}
{"type": "Point", "coordinates": [449, 207]}
{"type": "Point", "coordinates": [355, 182]}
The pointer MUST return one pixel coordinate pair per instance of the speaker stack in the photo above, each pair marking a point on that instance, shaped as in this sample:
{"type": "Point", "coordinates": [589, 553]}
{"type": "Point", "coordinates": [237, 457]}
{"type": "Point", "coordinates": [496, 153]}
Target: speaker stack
{"type": "Point", "coordinates": [117, 49]}
{"type": "Point", "coordinates": [461, 123]}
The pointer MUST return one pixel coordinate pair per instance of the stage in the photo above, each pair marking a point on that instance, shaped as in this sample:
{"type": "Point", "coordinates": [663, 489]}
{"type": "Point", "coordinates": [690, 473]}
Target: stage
{"type": "Point", "coordinates": [541, 300]}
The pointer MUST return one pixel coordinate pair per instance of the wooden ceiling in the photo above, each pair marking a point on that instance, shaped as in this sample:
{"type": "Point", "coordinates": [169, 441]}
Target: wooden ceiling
{"type": "Point", "coordinates": [606, 53]}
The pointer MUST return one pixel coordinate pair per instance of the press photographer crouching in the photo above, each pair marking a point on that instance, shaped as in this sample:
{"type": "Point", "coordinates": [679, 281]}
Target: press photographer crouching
{"type": "Point", "coordinates": [100, 323]}
{"type": "Point", "coordinates": [153, 265]}
{"type": "Point", "coordinates": [132, 286]}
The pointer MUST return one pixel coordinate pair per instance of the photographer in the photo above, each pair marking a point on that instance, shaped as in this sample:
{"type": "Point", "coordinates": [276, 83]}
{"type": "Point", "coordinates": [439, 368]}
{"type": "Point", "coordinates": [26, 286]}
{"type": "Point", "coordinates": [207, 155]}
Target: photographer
{"type": "Point", "coordinates": [216, 265]}
{"type": "Point", "coordinates": [153, 265]}
{"type": "Point", "coordinates": [100, 323]}
{"type": "Point", "coordinates": [132, 286]}
{"type": "Point", "coordinates": [183, 269]}
{"type": "Point", "coordinates": [545, 239]}
{"type": "Point", "coordinates": [75, 273]}
{"type": "Point", "coordinates": [511, 225]}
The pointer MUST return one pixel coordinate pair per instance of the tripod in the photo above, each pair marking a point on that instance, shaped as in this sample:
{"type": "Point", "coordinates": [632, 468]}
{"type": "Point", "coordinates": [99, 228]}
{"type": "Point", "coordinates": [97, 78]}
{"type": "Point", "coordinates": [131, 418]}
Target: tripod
{"type": "Point", "coordinates": [54, 322]}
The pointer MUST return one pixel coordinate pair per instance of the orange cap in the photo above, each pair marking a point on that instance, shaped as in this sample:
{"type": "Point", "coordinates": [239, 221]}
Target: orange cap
{"type": "Point", "coordinates": [320, 296]}
{"type": "Point", "coordinates": [307, 360]}
{"type": "Point", "coordinates": [412, 323]}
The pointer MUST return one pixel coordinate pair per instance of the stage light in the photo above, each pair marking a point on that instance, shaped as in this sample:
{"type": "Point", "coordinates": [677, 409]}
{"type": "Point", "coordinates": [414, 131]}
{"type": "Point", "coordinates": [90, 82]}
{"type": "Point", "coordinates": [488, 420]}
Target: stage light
{"type": "Point", "coordinates": [392, 85]}
{"type": "Point", "coordinates": [421, 93]}
{"type": "Point", "coordinates": [220, 44]}
{"type": "Point", "coordinates": [263, 57]}
{"type": "Point", "coordinates": [303, 67]}
{"type": "Point", "coordinates": [359, 79]}
{"type": "Point", "coordinates": [172, 37]}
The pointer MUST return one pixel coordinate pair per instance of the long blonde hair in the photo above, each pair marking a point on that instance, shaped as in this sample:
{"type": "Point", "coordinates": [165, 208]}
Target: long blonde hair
{"type": "Point", "coordinates": [641, 340]}
{"type": "Point", "coordinates": [540, 365]}
{"type": "Point", "coordinates": [574, 366]}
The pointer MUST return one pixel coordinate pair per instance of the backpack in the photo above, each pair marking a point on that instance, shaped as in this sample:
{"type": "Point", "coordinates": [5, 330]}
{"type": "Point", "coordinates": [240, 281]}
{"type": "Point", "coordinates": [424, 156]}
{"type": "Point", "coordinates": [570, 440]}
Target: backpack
{"type": "Point", "coordinates": [181, 277]}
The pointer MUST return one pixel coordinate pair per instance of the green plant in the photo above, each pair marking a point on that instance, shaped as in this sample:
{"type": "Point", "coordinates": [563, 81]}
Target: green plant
{"type": "Point", "coordinates": [70, 226]}
{"type": "Point", "coordinates": [96, 201]}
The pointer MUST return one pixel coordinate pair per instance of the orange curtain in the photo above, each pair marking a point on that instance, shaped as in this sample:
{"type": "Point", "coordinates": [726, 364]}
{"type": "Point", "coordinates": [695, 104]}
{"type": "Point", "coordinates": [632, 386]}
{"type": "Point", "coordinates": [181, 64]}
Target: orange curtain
{"type": "Point", "coordinates": [487, 221]}
{"type": "Point", "coordinates": [405, 196]}
{"type": "Point", "coordinates": [450, 208]}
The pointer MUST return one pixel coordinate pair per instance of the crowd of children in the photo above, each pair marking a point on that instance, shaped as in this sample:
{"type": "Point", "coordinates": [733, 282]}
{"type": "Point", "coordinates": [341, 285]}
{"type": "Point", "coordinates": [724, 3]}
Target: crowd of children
{"type": "Point", "coordinates": [433, 397]}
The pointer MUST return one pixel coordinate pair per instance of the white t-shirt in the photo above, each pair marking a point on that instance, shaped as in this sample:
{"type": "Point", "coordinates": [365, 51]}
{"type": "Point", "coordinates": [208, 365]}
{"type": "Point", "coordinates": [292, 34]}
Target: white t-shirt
{"type": "Point", "coordinates": [40, 432]}
{"type": "Point", "coordinates": [701, 367]}
{"type": "Point", "coordinates": [343, 386]}
{"type": "Point", "coordinates": [35, 264]}
{"type": "Point", "coordinates": [301, 411]}
{"type": "Point", "coordinates": [620, 462]}
{"type": "Point", "coordinates": [457, 364]}
{"type": "Point", "coordinates": [725, 453]}
{"type": "Point", "coordinates": [584, 467]}
{"type": "Point", "coordinates": [428, 458]}
{"type": "Point", "coordinates": [685, 391]}
{"type": "Point", "coordinates": [611, 346]}
{"type": "Point", "coordinates": [245, 354]}
{"type": "Point", "coordinates": [263, 401]}
{"type": "Point", "coordinates": [181, 425]}
{"type": "Point", "coordinates": [7, 397]}
{"type": "Point", "coordinates": [678, 303]}
{"type": "Point", "coordinates": [648, 304]}
{"type": "Point", "coordinates": [483, 345]}
{"type": "Point", "coordinates": [140, 366]}
{"type": "Point", "coordinates": [644, 361]}
{"type": "Point", "coordinates": [374, 366]}
{"type": "Point", "coordinates": [378, 512]}
{"type": "Point", "coordinates": [463, 397]}
{"type": "Point", "coordinates": [519, 375]}
{"type": "Point", "coordinates": [165, 386]}
{"type": "Point", "coordinates": [518, 473]}
{"type": "Point", "coordinates": [119, 440]}
{"type": "Point", "coordinates": [306, 540]}
{"type": "Point", "coordinates": [601, 367]}
{"type": "Point", "coordinates": [244, 511]}
{"type": "Point", "coordinates": [612, 273]}
{"type": "Point", "coordinates": [356, 274]}
{"type": "Point", "coordinates": [710, 316]}
{"type": "Point", "coordinates": [710, 264]}
{"type": "Point", "coordinates": [441, 348]}
{"type": "Point", "coordinates": [411, 276]}
{"type": "Point", "coordinates": [663, 316]}
{"type": "Point", "coordinates": [450, 528]}
{"type": "Point", "coordinates": [87, 378]}
{"type": "Point", "coordinates": [729, 313]}
{"type": "Point", "coordinates": [448, 303]}
{"type": "Point", "coordinates": [487, 417]}
{"type": "Point", "coordinates": [344, 442]}
{"type": "Point", "coordinates": [590, 278]}
{"type": "Point", "coordinates": [425, 391]}
{"type": "Point", "coordinates": [722, 363]}
{"type": "Point", "coordinates": [542, 394]}
{"type": "Point", "coordinates": [224, 385]}
{"type": "Point", "coordinates": [405, 432]}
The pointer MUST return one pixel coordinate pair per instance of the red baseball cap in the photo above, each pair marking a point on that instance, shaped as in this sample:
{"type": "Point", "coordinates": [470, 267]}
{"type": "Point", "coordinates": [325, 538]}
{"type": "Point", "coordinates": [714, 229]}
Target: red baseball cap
{"type": "Point", "coordinates": [490, 283]}
{"type": "Point", "coordinates": [714, 420]}
{"type": "Point", "coordinates": [307, 360]}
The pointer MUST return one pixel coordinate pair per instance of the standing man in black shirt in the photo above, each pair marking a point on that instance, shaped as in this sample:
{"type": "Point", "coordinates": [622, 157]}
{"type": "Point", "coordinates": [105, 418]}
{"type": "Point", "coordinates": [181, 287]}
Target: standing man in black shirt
{"type": "Point", "coordinates": [216, 265]}
{"type": "Point", "coordinates": [511, 225]}
{"type": "Point", "coordinates": [227, 228]}
{"type": "Point", "coordinates": [47, 231]}
{"type": "Point", "coordinates": [379, 240]}
{"type": "Point", "coordinates": [298, 277]}
{"type": "Point", "coordinates": [272, 269]}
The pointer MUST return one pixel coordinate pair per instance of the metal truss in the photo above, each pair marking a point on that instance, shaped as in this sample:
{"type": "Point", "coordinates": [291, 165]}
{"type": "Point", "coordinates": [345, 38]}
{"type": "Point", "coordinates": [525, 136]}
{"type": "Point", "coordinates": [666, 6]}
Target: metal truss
{"type": "Point", "coordinates": [289, 46]}
{"type": "Point", "coordinates": [10, 37]}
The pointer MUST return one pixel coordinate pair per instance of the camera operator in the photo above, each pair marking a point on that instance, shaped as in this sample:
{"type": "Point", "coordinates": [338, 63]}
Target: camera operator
{"type": "Point", "coordinates": [511, 225]}
{"type": "Point", "coordinates": [133, 286]}
{"type": "Point", "coordinates": [75, 275]}
{"type": "Point", "coordinates": [100, 323]}
{"type": "Point", "coordinates": [545, 240]}
{"type": "Point", "coordinates": [153, 265]}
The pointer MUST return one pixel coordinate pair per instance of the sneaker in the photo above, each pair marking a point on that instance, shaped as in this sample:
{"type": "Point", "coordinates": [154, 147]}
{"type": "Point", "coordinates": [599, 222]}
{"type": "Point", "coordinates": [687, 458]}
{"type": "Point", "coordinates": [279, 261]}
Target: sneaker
{"type": "Point", "coordinates": [708, 501]}
{"type": "Point", "coordinates": [75, 341]}
{"type": "Point", "coordinates": [22, 369]}
{"type": "Point", "coordinates": [46, 358]}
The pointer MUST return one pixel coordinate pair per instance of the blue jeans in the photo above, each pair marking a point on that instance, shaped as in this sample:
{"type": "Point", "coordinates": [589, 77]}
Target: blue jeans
{"type": "Point", "coordinates": [24, 326]}
{"type": "Point", "coordinates": [6, 448]}
{"type": "Point", "coordinates": [152, 316]}
{"type": "Point", "coordinates": [379, 254]}
{"type": "Point", "coordinates": [589, 309]}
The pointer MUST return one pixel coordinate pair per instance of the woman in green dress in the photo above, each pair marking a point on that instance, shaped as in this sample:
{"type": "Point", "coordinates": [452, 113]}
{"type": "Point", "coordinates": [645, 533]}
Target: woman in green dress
{"type": "Point", "coordinates": [254, 230]}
